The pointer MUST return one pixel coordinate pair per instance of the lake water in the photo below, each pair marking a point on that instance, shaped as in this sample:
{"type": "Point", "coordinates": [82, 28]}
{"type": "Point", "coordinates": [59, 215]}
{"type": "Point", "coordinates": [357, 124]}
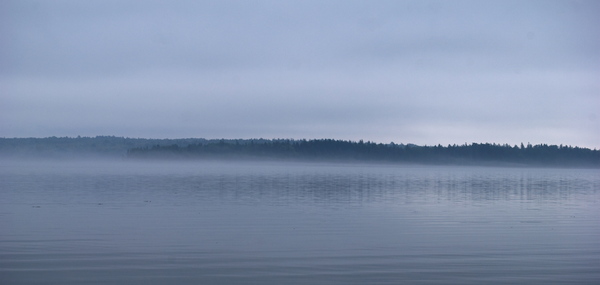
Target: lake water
{"type": "Point", "coordinates": [300, 223]}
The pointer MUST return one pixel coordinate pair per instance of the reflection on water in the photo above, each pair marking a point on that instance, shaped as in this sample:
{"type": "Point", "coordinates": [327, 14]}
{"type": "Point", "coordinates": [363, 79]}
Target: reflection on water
{"type": "Point", "coordinates": [272, 223]}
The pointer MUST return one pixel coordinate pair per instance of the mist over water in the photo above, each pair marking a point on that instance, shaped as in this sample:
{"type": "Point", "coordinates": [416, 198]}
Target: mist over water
{"type": "Point", "coordinates": [124, 222]}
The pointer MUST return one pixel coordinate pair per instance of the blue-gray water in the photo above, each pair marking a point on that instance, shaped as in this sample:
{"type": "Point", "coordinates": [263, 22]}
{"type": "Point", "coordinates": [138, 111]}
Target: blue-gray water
{"type": "Point", "coordinates": [274, 223]}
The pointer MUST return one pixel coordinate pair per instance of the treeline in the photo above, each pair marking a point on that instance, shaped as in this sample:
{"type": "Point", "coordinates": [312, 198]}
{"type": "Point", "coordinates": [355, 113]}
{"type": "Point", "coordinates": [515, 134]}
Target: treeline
{"type": "Point", "coordinates": [286, 149]}
{"type": "Point", "coordinates": [98, 146]}
{"type": "Point", "coordinates": [340, 150]}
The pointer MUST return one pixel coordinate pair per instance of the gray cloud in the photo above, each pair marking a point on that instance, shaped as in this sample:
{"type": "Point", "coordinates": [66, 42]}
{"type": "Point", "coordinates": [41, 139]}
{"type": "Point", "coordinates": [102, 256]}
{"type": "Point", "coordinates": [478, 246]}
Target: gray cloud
{"type": "Point", "coordinates": [414, 71]}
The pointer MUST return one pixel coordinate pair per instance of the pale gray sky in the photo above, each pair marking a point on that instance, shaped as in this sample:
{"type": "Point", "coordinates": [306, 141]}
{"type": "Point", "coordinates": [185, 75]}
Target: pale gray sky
{"type": "Point", "coordinates": [423, 72]}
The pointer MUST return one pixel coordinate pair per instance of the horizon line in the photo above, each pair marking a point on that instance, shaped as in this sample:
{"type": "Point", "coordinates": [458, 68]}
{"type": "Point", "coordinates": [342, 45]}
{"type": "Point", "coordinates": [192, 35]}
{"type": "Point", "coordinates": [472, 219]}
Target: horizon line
{"type": "Point", "coordinates": [296, 139]}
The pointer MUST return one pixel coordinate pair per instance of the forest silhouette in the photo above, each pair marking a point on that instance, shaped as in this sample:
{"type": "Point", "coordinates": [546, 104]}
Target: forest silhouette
{"type": "Point", "coordinates": [341, 150]}
{"type": "Point", "coordinates": [302, 150]}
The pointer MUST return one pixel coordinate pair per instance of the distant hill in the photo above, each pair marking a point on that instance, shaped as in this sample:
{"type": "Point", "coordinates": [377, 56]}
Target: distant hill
{"type": "Point", "coordinates": [306, 150]}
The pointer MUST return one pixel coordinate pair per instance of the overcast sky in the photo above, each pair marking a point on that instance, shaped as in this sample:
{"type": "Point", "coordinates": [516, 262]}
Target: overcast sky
{"type": "Point", "coordinates": [423, 72]}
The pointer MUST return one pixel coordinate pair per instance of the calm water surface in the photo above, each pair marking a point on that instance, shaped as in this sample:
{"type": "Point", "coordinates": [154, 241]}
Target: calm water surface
{"type": "Point", "coordinates": [273, 223]}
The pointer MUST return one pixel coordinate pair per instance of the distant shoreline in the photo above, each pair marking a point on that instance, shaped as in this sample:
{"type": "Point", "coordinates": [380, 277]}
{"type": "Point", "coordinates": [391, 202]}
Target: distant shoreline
{"type": "Point", "coordinates": [475, 154]}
